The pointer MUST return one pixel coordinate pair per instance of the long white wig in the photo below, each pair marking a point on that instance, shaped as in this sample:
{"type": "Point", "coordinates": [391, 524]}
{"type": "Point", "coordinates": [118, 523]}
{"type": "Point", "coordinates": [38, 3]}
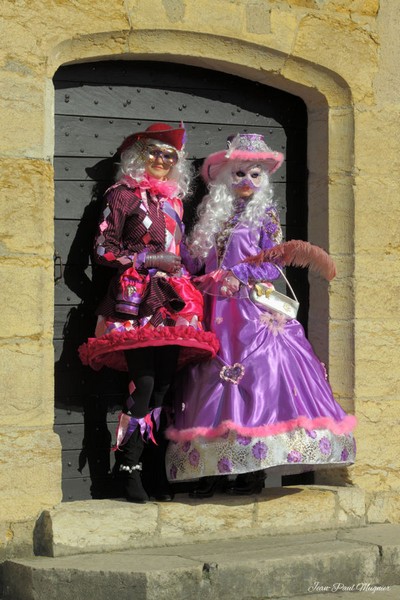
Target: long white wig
{"type": "Point", "coordinates": [219, 206]}
{"type": "Point", "coordinates": [133, 162]}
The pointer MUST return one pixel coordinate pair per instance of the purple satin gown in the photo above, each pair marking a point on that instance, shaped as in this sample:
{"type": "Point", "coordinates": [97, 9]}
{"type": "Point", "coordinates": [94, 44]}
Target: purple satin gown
{"type": "Point", "coordinates": [264, 402]}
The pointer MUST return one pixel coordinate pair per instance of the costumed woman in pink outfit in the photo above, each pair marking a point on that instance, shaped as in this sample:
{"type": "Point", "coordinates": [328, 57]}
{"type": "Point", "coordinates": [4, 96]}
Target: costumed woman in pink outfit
{"type": "Point", "coordinates": [264, 402]}
{"type": "Point", "coordinates": [151, 318]}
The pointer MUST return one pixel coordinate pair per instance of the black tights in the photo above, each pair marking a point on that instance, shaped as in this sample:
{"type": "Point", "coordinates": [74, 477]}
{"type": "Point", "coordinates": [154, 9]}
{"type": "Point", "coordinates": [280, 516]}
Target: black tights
{"type": "Point", "coordinates": [152, 370]}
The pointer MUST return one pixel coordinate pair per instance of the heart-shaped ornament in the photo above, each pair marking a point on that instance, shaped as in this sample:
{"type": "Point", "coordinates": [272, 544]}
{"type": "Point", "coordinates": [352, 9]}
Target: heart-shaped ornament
{"type": "Point", "coordinates": [232, 374]}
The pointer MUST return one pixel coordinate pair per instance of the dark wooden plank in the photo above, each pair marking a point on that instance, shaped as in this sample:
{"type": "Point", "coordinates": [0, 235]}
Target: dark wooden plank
{"type": "Point", "coordinates": [95, 136]}
{"type": "Point", "coordinates": [166, 77]}
{"type": "Point", "coordinates": [125, 102]}
{"type": "Point", "coordinates": [76, 489]}
{"type": "Point", "coordinates": [73, 198]}
{"type": "Point", "coordinates": [76, 466]}
{"type": "Point", "coordinates": [89, 170]}
{"type": "Point", "coordinates": [67, 233]}
{"type": "Point", "coordinates": [64, 295]}
{"type": "Point", "coordinates": [86, 488]}
{"type": "Point", "coordinates": [72, 435]}
{"type": "Point", "coordinates": [142, 73]}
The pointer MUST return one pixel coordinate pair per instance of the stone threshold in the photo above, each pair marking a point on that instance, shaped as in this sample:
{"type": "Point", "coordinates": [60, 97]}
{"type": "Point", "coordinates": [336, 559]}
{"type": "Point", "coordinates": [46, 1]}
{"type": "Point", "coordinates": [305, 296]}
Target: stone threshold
{"type": "Point", "coordinates": [95, 526]}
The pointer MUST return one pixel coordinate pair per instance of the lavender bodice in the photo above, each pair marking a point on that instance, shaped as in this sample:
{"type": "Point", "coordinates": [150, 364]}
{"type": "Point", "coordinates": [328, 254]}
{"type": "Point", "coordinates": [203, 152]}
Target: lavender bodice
{"type": "Point", "coordinates": [244, 242]}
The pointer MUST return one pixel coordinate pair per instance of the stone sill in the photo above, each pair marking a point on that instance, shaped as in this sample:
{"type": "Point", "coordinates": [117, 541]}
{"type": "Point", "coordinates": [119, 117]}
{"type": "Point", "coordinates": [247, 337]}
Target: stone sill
{"type": "Point", "coordinates": [96, 526]}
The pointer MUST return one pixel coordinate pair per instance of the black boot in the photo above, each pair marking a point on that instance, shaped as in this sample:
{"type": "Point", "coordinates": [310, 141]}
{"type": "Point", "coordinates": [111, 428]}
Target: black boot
{"type": "Point", "coordinates": [247, 484]}
{"type": "Point", "coordinates": [207, 486]}
{"type": "Point", "coordinates": [154, 473]}
{"type": "Point", "coordinates": [130, 468]}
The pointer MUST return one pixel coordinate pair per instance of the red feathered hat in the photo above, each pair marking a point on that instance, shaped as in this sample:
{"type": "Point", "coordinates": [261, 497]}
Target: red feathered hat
{"type": "Point", "coordinates": [158, 131]}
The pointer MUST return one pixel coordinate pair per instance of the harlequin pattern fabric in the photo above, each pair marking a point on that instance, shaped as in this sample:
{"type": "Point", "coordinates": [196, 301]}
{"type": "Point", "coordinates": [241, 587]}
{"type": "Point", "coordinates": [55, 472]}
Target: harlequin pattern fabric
{"type": "Point", "coordinates": [141, 217]}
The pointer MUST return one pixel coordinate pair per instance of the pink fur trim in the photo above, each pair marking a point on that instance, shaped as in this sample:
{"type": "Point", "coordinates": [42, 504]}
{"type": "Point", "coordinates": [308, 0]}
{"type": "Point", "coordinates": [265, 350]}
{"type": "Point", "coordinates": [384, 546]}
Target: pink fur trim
{"type": "Point", "coordinates": [336, 427]}
{"type": "Point", "coordinates": [214, 162]}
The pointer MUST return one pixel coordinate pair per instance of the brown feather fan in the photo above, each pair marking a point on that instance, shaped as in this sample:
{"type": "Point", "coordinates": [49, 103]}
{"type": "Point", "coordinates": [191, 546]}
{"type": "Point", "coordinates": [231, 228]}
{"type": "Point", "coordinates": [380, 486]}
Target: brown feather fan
{"type": "Point", "coordinates": [298, 253]}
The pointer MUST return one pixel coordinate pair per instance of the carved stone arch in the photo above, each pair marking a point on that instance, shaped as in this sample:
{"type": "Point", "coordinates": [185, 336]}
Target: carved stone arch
{"type": "Point", "coordinates": [329, 155]}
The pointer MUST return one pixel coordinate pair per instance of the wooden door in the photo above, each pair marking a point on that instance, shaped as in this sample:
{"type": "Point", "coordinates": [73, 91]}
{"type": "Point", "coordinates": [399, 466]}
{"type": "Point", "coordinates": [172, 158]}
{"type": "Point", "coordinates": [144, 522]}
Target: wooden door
{"type": "Point", "coordinates": [97, 105]}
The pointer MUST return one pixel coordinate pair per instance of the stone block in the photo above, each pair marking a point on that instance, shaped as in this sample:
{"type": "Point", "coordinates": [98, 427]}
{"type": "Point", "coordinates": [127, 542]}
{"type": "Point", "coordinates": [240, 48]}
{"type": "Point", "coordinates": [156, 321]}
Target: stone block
{"type": "Point", "coordinates": [387, 538]}
{"type": "Point", "coordinates": [341, 215]}
{"type": "Point", "coordinates": [350, 506]}
{"type": "Point", "coordinates": [318, 202]}
{"type": "Point", "coordinates": [95, 526]}
{"type": "Point", "coordinates": [26, 295]}
{"type": "Point", "coordinates": [341, 299]}
{"type": "Point", "coordinates": [377, 354]}
{"type": "Point", "coordinates": [103, 44]}
{"type": "Point", "coordinates": [362, 7]}
{"type": "Point", "coordinates": [200, 520]}
{"type": "Point", "coordinates": [377, 285]}
{"type": "Point", "coordinates": [378, 128]}
{"type": "Point", "coordinates": [373, 434]}
{"type": "Point", "coordinates": [372, 477]}
{"type": "Point", "coordinates": [26, 397]}
{"type": "Point", "coordinates": [377, 229]}
{"type": "Point", "coordinates": [383, 507]}
{"type": "Point", "coordinates": [23, 116]}
{"type": "Point", "coordinates": [30, 472]}
{"type": "Point", "coordinates": [341, 153]}
{"type": "Point", "coordinates": [26, 210]}
{"type": "Point", "coordinates": [226, 16]}
{"type": "Point", "coordinates": [16, 539]}
{"type": "Point", "coordinates": [316, 33]}
{"type": "Point", "coordinates": [387, 79]}
{"type": "Point", "coordinates": [341, 358]}
{"type": "Point", "coordinates": [38, 28]}
{"type": "Point", "coordinates": [258, 18]}
{"type": "Point", "coordinates": [296, 510]}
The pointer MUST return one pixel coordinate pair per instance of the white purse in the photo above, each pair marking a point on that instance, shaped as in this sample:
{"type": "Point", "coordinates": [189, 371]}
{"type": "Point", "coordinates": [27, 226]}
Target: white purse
{"type": "Point", "coordinates": [268, 298]}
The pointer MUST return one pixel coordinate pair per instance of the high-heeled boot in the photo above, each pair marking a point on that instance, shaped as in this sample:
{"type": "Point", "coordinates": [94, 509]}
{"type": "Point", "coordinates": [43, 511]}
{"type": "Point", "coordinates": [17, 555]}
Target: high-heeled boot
{"type": "Point", "coordinates": [130, 468]}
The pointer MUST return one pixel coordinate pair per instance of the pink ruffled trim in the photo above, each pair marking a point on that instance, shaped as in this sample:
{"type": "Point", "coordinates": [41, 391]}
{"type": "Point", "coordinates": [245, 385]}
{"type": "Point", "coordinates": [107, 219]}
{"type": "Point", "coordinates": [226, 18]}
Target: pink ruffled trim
{"type": "Point", "coordinates": [107, 350]}
{"type": "Point", "coordinates": [336, 427]}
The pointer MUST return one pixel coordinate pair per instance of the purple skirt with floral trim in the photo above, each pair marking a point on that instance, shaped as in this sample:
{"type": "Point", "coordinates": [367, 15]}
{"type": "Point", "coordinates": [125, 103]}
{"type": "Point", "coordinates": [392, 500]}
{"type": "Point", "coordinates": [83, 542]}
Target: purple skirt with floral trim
{"type": "Point", "coordinates": [264, 402]}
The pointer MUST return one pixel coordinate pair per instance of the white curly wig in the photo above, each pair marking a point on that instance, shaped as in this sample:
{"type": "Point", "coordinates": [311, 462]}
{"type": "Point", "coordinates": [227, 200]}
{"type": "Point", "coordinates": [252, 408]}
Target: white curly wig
{"type": "Point", "coordinates": [219, 206]}
{"type": "Point", "coordinates": [133, 163]}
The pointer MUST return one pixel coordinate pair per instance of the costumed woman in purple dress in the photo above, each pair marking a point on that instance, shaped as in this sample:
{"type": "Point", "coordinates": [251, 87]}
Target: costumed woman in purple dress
{"type": "Point", "coordinates": [264, 402]}
{"type": "Point", "coordinates": [151, 318]}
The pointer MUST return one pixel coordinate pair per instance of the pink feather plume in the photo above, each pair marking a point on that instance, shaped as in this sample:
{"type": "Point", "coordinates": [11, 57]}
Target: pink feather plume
{"type": "Point", "coordinates": [298, 253]}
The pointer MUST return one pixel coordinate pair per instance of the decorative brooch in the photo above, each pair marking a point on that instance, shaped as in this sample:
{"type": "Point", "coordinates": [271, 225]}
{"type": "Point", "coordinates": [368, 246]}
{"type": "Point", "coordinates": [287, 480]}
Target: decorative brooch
{"type": "Point", "coordinates": [232, 374]}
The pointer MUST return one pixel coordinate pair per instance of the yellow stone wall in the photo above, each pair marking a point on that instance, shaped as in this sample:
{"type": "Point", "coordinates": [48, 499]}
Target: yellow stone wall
{"type": "Point", "coordinates": [341, 57]}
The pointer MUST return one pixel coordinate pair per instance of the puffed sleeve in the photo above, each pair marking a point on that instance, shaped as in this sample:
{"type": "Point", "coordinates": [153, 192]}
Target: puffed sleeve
{"type": "Point", "coordinates": [109, 247]}
{"type": "Point", "coordinates": [270, 235]}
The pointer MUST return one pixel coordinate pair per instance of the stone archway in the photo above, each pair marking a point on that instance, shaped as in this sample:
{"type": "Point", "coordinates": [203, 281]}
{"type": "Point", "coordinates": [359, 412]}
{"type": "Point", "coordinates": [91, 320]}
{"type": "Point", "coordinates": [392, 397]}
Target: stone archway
{"type": "Point", "coordinates": [330, 142]}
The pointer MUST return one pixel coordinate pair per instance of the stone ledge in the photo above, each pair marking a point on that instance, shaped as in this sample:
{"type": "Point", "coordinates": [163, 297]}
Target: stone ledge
{"type": "Point", "coordinates": [110, 525]}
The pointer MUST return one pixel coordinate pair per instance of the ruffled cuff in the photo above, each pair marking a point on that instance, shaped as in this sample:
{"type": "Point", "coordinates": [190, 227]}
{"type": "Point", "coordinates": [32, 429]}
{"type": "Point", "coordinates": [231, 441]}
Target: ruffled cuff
{"type": "Point", "coordinates": [247, 272]}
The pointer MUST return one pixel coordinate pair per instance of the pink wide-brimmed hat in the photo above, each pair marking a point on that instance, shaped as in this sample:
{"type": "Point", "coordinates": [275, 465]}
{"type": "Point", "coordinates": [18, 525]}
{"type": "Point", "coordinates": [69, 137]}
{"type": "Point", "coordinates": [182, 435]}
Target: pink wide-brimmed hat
{"type": "Point", "coordinates": [243, 147]}
{"type": "Point", "coordinates": [172, 136]}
